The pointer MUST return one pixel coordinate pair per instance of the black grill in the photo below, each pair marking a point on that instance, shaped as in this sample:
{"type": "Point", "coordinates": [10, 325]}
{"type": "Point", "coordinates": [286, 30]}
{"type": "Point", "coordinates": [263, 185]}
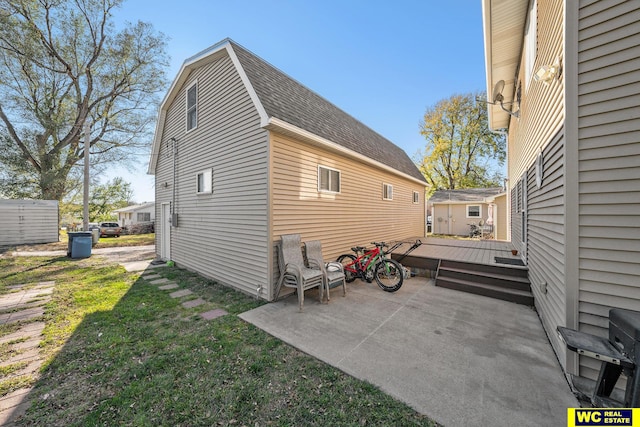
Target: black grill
{"type": "Point", "coordinates": [619, 354]}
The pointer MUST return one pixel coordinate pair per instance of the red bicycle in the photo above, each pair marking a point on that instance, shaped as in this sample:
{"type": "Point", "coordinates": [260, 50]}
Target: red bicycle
{"type": "Point", "coordinates": [369, 264]}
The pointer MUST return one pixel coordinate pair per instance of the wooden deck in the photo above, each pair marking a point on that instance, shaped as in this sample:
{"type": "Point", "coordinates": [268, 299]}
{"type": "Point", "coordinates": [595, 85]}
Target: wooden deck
{"type": "Point", "coordinates": [433, 250]}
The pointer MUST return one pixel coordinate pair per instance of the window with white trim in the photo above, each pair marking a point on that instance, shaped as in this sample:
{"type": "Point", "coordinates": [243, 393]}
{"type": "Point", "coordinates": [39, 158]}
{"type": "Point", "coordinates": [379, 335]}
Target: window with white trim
{"type": "Point", "coordinates": [328, 179]}
{"type": "Point", "coordinates": [531, 43]}
{"type": "Point", "coordinates": [474, 211]}
{"type": "Point", "coordinates": [204, 182]}
{"type": "Point", "coordinates": [144, 216]}
{"type": "Point", "coordinates": [416, 197]}
{"type": "Point", "coordinates": [387, 192]}
{"type": "Point", "coordinates": [192, 107]}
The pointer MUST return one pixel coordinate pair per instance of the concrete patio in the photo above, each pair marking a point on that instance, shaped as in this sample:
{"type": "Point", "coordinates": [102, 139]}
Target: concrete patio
{"type": "Point", "coordinates": [461, 359]}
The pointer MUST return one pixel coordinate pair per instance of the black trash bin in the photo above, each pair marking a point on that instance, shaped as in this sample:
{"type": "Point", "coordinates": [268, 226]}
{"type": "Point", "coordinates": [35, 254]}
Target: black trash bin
{"type": "Point", "coordinates": [73, 236]}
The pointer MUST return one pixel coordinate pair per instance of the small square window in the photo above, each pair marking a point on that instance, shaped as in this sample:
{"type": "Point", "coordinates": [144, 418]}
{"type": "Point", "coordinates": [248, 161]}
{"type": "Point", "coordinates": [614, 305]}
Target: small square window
{"type": "Point", "coordinates": [416, 197]}
{"type": "Point", "coordinates": [474, 211]}
{"type": "Point", "coordinates": [387, 192]}
{"type": "Point", "coordinates": [203, 182]}
{"type": "Point", "coordinates": [192, 107]}
{"type": "Point", "coordinates": [328, 179]}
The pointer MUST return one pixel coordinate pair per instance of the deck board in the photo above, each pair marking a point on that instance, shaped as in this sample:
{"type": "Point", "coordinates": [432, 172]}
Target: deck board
{"type": "Point", "coordinates": [474, 251]}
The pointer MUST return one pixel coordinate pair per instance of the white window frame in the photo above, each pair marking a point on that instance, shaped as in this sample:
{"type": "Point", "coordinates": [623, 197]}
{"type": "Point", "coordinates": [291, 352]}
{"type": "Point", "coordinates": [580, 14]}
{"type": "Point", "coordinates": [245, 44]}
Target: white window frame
{"type": "Point", "coordinates": [207, 182]}
{"type": "Point", "coordinates": [193, 107]}
{"type": "Point", "coordinates": [479, 211]}
{"type": "Point", "coordinates": [416, 197]}
{"type": "Point", "coordinates": [531, 43]}
{"type": "Point", "coordinates": [329, 186]}
{"type": "Point", "coordinates": [387, 191]}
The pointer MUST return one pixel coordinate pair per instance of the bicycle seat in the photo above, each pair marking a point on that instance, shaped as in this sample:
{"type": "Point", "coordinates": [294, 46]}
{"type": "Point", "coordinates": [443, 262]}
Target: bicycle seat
{"type": "Point", "coordinates": [358, 249]}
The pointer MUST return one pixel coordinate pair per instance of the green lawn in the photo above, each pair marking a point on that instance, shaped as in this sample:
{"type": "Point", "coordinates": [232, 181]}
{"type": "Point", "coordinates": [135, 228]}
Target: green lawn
{"type": "Point", "coordinates": [104, 242]}
{"type": "Point", "coordinates": [122, 352]}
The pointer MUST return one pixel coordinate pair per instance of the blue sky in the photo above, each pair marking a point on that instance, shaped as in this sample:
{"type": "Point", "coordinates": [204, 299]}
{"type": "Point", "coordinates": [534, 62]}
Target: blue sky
{"type": "Point", "coordinates": [383, 62]}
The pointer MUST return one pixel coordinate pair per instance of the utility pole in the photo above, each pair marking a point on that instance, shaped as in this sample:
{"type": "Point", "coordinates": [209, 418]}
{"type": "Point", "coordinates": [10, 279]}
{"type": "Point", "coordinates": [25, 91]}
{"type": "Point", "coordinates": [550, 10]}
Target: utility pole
{"type": "Point", "coordinates": [85, 196]}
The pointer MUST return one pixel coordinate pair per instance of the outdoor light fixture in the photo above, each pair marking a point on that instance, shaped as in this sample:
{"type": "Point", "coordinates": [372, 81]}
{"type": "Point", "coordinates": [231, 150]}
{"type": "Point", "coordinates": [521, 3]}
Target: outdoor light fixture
{"type": "Point", "coordinates": [547, 73]}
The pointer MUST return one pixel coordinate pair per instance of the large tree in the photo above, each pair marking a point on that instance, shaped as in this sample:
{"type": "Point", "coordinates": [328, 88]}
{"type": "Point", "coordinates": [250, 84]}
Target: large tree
{"type": "Point", "coordinates": [460, 151]}
{"type": "Point", "coordinates": [103, 200]}
{"type": "Point", "coordinates": [63, 63]}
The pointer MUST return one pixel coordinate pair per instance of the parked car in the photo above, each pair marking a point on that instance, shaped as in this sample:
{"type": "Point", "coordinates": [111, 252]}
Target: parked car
{"type": "Point", "coordinates": [110, 229]}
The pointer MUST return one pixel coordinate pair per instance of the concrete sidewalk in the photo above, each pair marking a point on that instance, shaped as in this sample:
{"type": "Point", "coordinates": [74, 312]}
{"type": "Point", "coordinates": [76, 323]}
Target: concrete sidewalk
{"type": "Point", "coordinates": [461, 359]}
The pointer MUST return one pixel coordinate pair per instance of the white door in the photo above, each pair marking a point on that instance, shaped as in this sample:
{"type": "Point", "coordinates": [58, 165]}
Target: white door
{"type": "Point", "coordinates": [165, 238]}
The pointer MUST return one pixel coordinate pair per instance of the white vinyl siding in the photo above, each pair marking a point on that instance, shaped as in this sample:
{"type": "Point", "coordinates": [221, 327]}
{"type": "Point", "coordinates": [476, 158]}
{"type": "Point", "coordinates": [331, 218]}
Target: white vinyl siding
{"type": "Point", "coordinates": [231, 223]}
{"type": "Point", "coordinates": [609, 155]}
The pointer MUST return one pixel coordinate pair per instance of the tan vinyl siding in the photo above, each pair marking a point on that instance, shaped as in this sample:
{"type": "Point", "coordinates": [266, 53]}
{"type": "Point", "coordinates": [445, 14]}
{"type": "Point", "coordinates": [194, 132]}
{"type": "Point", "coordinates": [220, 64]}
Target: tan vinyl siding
{"type": "Point", "coordinates": [545, 240]}
{"type": "Point", "coordinates": [355, 216]}
{"type": "Point", "coordinates": [542, 107]}
{"type": "Point", "coordinates": [609, 155]}
{"type": "Point", "coordinates": [220, 230]}
{"type": "Point", "coordinates": [25, 222]}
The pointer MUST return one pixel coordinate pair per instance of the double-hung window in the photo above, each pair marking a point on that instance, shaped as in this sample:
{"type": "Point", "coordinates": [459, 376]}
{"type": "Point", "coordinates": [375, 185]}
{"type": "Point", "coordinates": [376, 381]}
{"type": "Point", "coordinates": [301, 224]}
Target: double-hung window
{"type": "Point", "coordinates": [203, 182]}
{"type": "Point", "coordinates": [328, 179]}
{"type": "Point", "coordinates": [192, 107]}
{"type": "Point", "coordinates": [387, 192]}
{"type": "Point", "coordinates": [416, 197]}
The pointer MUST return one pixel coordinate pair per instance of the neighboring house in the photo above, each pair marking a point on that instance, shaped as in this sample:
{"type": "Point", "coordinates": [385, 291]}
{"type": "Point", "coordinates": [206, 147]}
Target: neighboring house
{"type": "Point", "coordinates": [136, 214]}
{"type": "Point", "coordinates": [453, 210]}
{"type": "Point", "coordinates": [25, 222]}
{"type": "Point", "coordinates": [573, 155]}
{"type": "Point", "coordinates": [243, 154]}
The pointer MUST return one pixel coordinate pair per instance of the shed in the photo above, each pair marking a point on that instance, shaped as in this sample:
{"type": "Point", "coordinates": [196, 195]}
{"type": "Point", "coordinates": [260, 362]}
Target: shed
{"type": "Point", "coordinates": [25, 222]}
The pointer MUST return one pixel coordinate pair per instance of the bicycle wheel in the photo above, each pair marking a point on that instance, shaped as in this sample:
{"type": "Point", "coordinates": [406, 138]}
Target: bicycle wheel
{"type": "Point", "coordinates": [348, 261]}
{"type": "Point", "coordinates": [389, 275]}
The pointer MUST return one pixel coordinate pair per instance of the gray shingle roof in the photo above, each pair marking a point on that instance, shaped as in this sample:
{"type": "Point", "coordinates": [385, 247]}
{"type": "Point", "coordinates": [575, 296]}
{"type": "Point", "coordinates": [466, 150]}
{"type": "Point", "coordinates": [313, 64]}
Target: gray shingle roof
{"type": "Point", "coordinates": [465, 195]}
{"type": "Point", "coordinates": [284, 98]}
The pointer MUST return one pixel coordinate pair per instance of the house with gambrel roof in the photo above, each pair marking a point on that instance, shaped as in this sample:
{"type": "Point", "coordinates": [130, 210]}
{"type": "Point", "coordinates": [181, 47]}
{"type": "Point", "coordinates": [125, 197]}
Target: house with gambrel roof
{"type": "Point", "coordinates": [243, 153]}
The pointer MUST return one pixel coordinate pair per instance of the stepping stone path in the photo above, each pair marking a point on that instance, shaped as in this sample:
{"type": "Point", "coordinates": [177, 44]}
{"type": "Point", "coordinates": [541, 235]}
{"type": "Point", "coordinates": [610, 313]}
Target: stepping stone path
{"type": "Point", "coordinates": [157, 279]}
{"type": "Point", "coordinates": [22, 304]}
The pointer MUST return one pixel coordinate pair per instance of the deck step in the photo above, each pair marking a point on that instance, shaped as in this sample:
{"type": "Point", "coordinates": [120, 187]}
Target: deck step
{"type": "Point", "coordinates": [493, 291]}
{"type": "Point", "coordinates": [509, 270]}
{"type": "Point", "coordinates": [502, 282]}
{"type": "Point", "coordinates": [487, 278]}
